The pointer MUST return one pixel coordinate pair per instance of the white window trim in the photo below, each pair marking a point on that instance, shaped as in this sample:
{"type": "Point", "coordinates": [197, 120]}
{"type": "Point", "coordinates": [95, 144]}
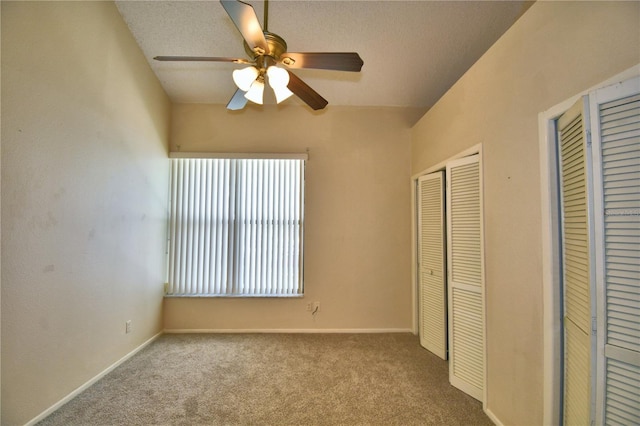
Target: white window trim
{"type": "Point", "coordinates": [239, 155]}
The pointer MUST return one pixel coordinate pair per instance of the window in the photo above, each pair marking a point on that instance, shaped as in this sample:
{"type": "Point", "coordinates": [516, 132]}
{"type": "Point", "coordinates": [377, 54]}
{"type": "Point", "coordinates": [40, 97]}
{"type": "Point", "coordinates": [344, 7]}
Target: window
{"type": "Point", "coordinates": [236, 227]}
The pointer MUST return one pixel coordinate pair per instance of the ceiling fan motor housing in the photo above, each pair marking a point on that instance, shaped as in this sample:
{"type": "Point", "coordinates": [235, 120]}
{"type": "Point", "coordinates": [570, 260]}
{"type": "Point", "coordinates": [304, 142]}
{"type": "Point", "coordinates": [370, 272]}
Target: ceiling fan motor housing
{"type": "Point", "coordinates": [277, 47]}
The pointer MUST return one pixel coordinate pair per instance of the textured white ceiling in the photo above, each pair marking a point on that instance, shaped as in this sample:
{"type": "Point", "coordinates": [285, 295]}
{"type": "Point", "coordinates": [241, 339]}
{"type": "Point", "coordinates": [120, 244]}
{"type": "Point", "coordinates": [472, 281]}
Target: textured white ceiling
{"type": "Point", "coordinates": [413, 51]}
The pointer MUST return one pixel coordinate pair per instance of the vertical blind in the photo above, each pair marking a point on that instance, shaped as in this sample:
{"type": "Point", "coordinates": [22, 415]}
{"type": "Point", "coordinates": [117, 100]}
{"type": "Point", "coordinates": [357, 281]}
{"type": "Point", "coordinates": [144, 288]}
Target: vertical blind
{"type": "Point", "coordinates": [236, 227]}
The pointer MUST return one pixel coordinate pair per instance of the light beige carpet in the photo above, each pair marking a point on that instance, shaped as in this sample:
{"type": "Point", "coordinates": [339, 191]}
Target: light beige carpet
{"type": "Point", "coordinates": [276, 379]}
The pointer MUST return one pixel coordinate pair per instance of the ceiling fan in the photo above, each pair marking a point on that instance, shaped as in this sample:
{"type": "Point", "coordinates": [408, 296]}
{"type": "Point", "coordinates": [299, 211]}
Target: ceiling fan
{"type": "Point", "coordinates": [266, 51]}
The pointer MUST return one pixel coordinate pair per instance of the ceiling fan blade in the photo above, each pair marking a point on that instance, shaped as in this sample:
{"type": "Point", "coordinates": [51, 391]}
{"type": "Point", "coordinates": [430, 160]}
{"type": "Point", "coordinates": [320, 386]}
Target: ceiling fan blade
{"type": "Point", "coordinates": [306, 93]}
{"type": "Point", "coordinates": [244, 17]}
{"type": "Point", "coordinates": [339, 61]}
{"type": "Point", "coordinates": [238, 101]}
{"type": "Point", "coordinates": [201, 58]}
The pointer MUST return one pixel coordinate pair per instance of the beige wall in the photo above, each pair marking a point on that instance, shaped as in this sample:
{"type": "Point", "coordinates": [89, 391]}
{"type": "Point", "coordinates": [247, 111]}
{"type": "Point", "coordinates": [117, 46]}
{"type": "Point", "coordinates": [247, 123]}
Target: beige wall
{"type": "Point", "coordinates": [84, 183]}
{"type": "Point", "coordinates": [84, 189]}
{"type": "Point", "coordinates": [357, 214]}
{"type": "Point", "coordinates": [556, 50]}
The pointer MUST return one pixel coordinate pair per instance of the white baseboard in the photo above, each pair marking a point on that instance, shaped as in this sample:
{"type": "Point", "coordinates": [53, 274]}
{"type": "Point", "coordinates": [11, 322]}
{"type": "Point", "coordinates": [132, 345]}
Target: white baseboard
{"type": "Point", "coordinates": [493, 417]}
{"type": "Point", "coordinates": [93, 380]}
{"type": "Point", "coordinates": [288, 330]}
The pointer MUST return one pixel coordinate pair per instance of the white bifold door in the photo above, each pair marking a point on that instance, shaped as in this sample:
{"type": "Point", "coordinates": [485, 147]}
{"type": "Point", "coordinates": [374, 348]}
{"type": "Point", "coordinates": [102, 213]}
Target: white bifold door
{"type": "Point", "coordinates": [432, 287]}
{"type": "Point", "coordinates": [451, 271]}
{"type": "Point", "coordinates": [577, 264]}
{"type": "Point", "coordinates": [465, 276]}
{"type": "Point", "coordinates": [615, 124]}
{"type": "Point", "coordinates": [599, 170]}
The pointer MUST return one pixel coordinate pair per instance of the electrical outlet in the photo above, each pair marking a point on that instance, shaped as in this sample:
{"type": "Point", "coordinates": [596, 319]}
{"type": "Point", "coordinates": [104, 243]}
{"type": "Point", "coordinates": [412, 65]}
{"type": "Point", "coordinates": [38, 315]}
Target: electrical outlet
{"type": "Point", "coordinates": [309, 307]}
{"type": "Point", "coordinates": [127, 327]}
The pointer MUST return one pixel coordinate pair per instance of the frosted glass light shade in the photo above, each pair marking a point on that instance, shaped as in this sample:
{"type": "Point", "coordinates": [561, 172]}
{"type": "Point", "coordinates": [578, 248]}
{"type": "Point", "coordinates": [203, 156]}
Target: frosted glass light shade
{"type": "Point", "coordinates": [245, 77]}
{"type": "Point", "coordinates": [255, 92]}
{"type": "Point", "coordinates": [282, 93]}
{"type": "Point", "coordinates": [277, 77]}
{"type": "Point", "coordinates": [278, 80]}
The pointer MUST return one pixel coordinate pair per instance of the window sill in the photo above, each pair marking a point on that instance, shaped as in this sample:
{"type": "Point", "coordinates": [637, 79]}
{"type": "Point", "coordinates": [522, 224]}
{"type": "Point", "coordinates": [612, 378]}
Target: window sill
{"type": "Point", "coordinates": [234, 296]}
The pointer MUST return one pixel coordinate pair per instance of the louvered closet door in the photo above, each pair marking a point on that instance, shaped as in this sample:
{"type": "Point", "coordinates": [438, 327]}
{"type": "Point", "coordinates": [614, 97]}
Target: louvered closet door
{"type": "Point", "coordinates": [616, 144]}
{"type": "Point", "coordinates": [431, 257]}
{"type": "Point", "coordinates": [576, 265]}
{"type": "Point", "coordinates": [465, 276]}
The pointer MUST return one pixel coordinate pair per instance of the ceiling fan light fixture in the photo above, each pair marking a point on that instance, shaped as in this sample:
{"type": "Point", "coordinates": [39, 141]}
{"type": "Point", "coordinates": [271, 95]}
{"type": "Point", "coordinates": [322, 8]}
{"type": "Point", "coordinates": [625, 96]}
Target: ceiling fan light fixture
{"type": "Point", "coordinates": [266, 49]}
{"type": "Point", "coordinates": [245, 77]}
{"type": "Point", "coordinates": [282, 93]}
{"type": "Point", "coordinates": [277, 77]}
{"type": "Point", "coordinates": [278, 80]}
{"type": "Point", "coordinates": [255, 92]}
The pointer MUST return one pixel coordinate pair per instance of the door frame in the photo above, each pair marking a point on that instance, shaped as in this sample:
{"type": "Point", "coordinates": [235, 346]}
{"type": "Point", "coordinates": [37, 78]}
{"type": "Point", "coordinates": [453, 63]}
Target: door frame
{"type": "Point", "coordinates": [441, 166]}
{"type": "Point", "coordinates": [551, 255]}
